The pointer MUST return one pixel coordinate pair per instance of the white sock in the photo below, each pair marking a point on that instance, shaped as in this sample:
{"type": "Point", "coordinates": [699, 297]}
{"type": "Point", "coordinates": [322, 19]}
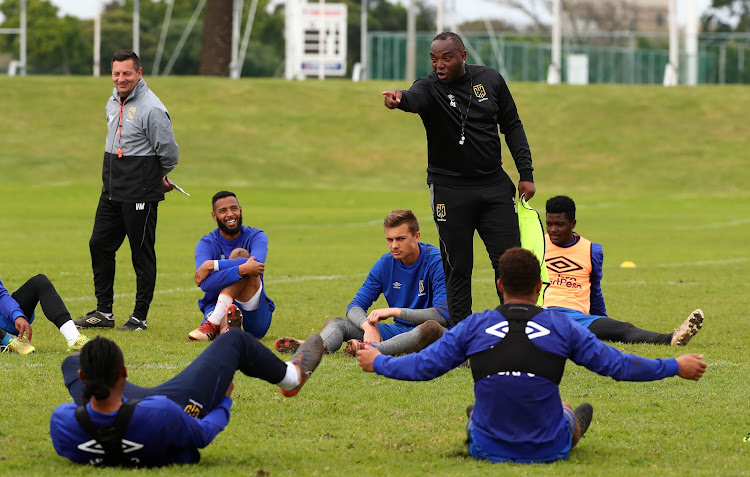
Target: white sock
{"type": "Point", "coordinates": [70, 332]}
{"type": "Point", "coordinates": [221, 309]}
{"type": "Point", "coordinates": [291, 378]}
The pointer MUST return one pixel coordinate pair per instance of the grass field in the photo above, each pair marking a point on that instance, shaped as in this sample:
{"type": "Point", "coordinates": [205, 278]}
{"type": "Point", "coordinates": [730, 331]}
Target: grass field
{"type": "Point", "coordinates": [660, 177]}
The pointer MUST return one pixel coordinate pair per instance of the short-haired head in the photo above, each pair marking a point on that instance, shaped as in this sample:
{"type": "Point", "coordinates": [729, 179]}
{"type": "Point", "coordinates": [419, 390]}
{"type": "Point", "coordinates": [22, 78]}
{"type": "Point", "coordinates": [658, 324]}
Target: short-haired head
{"type": "Point", "coordinates": [101, 364]}
{"type": "Point", "coordinates": [519, 272]}
{"type": "Point", "coordinates": [449, 35]}
{"type": "Point", "coordinates": [402, 216]}
{"type": "Point", "coordinates": [124, 55]}
{"type": "Point", "coordinates": [562, 204]}
{"type": "Point", "coordinates": [221, 195]}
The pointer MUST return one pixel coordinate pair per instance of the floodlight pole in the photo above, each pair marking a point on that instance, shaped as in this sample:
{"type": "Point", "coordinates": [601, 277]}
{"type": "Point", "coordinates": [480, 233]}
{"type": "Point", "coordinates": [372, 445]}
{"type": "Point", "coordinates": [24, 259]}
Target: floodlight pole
{"type": "Point", "coordinates": [22, 56]}
{"type": "Point", "coordinates": [440, 15]}
{"type": "Point", "coordinates": [411, 43]}
{"type": "Point", "coordinates": [236, 21]}
{"type": "Point", "coordinates": [363, 42]}
{"type": "Point", "coordinates": [553, 73]}
{"type": "Point", "coordinates": [691, 43]}
{"type": "Point", "coordinates": [136, 26]}
{"type": "Point", "coordinates": [97, 38]}
{"type": "Point", "coordinates": [673, 67]}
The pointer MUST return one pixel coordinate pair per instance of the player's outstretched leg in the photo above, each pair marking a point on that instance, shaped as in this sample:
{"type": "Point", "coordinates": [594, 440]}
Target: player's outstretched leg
{"type": "Point", "coordinates": [306, 359]}
{"type": "Point", "coordinates": [689, 328]}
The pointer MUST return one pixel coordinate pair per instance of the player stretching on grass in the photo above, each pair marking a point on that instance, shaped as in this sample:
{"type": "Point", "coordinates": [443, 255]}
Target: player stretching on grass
{"type": "Point", "coordinates": [229, 263]}
{"type": "Point", "coordinates": [575, 271]}
{"type": "Point", "coordinates": [17, 314]}
{"type": "Point", "coordinates": [518, 353]}
{"type": "Point", "coordinates": [114, 422]}
{"type": "Point", "coordinates": [412, 280]}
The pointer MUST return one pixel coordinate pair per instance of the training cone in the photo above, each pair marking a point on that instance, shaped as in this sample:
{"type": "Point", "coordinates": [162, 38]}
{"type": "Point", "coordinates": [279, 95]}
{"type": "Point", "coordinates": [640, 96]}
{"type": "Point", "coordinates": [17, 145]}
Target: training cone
{"type": "Point", "coordinates": [627, 264]}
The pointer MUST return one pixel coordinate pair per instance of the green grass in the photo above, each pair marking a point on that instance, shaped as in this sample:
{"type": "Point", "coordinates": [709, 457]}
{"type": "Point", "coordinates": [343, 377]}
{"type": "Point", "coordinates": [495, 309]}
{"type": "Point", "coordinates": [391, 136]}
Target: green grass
{"type": "Point", "coordinates": [659, 176]}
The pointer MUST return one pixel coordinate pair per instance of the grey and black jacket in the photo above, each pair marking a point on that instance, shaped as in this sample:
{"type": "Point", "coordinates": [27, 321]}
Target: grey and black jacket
{"type": "Point", "coordinates": [147, 144]}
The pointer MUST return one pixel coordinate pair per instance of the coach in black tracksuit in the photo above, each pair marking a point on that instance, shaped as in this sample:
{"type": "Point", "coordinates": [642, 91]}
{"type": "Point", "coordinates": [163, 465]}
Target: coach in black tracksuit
{"type": "Point", "coordinates": [461, 107]}
{"type": "Point", "coordinates": [139, 152]}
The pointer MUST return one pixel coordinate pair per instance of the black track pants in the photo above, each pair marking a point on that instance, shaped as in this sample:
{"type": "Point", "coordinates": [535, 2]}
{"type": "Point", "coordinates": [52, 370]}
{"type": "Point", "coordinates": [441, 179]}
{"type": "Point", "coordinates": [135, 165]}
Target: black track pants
{"type": "Point", "coordinates": [607, 329]}
{"type": "Point", "coordinates": [115, 220]}
{"type": "Point", "coordinates": [458, 212]}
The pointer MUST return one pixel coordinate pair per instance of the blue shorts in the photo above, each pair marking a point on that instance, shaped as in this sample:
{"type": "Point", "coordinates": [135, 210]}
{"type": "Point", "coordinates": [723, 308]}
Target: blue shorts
{"type": "Point", "coordinates": [578, 316]}
{"type": "Point", "coordinates": [480, 454]}
{"type": "Point", "coordinates": [392, 329]}
{"type": "Point", "coordinates": [255, 322]}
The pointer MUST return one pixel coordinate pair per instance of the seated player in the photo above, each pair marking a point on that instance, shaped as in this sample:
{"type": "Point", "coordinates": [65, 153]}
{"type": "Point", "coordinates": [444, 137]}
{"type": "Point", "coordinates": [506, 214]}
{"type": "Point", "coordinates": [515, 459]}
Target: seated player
{"type": "Point", "coordinates": [412, 280]}
{"type": "Point", "coordinates": [575, 272]}
{"type": "Point", "coordinates": [17, 314]}
{"type": "Point", "coordinates": [518, 353]}
{"type": "Point", "coordinates": [229, 263]}
{"type": "Point", "coordinates": [114, 422]}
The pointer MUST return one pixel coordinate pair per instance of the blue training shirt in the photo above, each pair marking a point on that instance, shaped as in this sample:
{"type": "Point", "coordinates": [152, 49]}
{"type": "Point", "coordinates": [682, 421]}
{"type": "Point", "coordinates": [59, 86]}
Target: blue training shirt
{"type": "Point", "coordinates": [160, 433]}
{"type": "Point", "coordinates": [519, 416]}
{"type": "Point", "coordinates": [215, 247]}
{"type": "Point", "coordinates": [418, 286]}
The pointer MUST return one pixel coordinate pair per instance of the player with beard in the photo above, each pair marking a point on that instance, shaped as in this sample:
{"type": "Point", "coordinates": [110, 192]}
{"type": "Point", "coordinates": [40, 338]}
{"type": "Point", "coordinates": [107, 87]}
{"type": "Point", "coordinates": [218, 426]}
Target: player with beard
{"type": "Point", "coordinates": [229, 263]}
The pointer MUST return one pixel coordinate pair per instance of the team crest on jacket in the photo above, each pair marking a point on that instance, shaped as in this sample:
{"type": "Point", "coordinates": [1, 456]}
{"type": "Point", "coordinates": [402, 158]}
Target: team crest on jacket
{"type": "Point", "coordinates": [479, 91]}
{"type": "Point", "coordinates": [421, 287]}
{"type": "Point", "coordinates": [440, 212]}
{"type": "Point", "coordinates": [131, 113]}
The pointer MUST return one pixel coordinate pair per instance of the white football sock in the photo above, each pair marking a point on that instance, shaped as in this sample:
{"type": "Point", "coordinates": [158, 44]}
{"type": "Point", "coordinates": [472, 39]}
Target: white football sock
{"type": "Point", "coordinates": [70, 332]}
{"type": "Point", "coordinates": [291, 378]}
{"type": "Point", "coordinates": [221, 309]}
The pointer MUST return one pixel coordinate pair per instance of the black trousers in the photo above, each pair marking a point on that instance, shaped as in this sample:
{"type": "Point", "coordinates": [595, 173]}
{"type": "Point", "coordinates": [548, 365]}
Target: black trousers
{"type": "Point", "coordinates": [115, 220]}
{"type": "Point", "coordinates": [38, 290]}
{"type": "Point", "coordinates": [201, 386]}
{"type": "Point", "coordinates": [458, 212]}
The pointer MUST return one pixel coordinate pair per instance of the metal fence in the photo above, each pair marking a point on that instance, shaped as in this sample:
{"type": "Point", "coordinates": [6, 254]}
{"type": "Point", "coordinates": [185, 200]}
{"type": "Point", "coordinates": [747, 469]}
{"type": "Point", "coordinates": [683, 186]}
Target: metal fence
{"type": "Point", "coordinates": [628, 58]}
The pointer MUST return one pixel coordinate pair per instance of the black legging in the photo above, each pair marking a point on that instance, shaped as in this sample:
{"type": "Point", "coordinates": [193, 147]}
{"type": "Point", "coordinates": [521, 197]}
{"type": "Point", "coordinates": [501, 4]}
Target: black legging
{"type": "Point", "coordinates": [607, 329]}
{"type": "Point", "coordinates": [39, 290]}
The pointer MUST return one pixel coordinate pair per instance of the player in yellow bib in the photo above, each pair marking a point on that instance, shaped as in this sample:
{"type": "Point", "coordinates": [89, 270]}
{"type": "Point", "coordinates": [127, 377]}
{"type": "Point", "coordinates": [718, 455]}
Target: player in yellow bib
{"type": "Point", "coordinates": [574, 265]}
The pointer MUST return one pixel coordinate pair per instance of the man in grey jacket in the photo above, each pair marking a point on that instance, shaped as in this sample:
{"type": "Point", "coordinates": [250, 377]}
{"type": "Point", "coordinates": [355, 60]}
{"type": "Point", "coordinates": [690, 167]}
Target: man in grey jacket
{"type": "Point", "coordinates": [140, 151]}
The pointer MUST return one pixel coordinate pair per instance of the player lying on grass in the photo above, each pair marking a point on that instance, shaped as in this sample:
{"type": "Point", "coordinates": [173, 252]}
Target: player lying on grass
{"type": "Point", "coordinates": [575, 272]}
{"type": "Point", "coordinates": [169, 422]}
{"type": "Point", "coordinates": [518, 353]}
{"type": "Point", "coordinates": [412, 280]}
{"type": "Point", "coordinates": [229, 263]}
{"type": "Point", "coordinates": [17, 314]}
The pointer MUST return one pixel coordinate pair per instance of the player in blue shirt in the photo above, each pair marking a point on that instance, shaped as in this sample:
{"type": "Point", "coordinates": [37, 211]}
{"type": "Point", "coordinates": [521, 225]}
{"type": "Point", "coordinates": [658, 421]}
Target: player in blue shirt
{"type": "Point", "coordinates": [518, 353]}
{"type": "Point", "coordinates": [229, 263]}
{"type": "Point", "coordinates": [411, 279]}
{"type": "Point", "coordinates": [17, 314]}
{"type": "Point", "coordinates": [173, 420]}
{"type": "Point", "coordinates": [574, 265]}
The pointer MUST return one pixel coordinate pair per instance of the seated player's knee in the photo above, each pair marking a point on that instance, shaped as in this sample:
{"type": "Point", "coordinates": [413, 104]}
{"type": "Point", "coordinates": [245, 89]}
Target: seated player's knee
{"type": "Point", "coordinates": [239, 253]}
{"type": "Point", "coordinates": [333, 322]}
{"type": "Point", "coordinates": [429, 332]}
{"type": "Point", "coordinates": [40, 281]}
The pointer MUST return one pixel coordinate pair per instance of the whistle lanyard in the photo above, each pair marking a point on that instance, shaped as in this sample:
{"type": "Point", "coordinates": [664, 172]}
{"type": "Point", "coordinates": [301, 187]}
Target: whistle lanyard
{"type": "Point", "coordinates": [119, 129]}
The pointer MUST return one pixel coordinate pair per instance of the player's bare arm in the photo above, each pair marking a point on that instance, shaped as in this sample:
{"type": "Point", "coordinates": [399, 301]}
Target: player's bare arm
{"type": "Point", "coordinates": [203, 271]}
{"type": "Point", "coordinates": [251, 268]}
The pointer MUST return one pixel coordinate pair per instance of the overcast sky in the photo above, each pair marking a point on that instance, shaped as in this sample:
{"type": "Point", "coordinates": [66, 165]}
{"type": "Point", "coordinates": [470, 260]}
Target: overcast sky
{"type": "Point", "coordinates": [467, 9]}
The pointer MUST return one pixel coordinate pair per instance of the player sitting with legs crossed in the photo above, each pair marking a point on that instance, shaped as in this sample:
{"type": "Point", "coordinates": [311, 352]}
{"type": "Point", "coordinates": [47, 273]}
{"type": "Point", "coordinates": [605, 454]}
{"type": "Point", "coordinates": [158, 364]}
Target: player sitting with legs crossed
{"type": "Point", "coordinates": [518, 354]}
{"type": "Point", "coordinates": [575, 271]}
{"type": "Point", "coordinates": [412, 280]}
{"type": "Point", "coordinates": [114, 422]}
{"type": "Point", "coordinates": [229, 263]}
